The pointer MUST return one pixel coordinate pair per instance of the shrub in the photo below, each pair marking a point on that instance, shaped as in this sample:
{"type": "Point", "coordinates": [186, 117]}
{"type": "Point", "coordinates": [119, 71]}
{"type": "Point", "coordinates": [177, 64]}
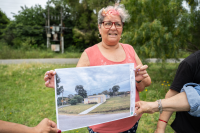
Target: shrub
{"type": "Point", "coordinates": [92, 103]}
{"type": "Point", "coordinates": [78, 98]}
{"type": "Point", "coordinates": [73, 101]}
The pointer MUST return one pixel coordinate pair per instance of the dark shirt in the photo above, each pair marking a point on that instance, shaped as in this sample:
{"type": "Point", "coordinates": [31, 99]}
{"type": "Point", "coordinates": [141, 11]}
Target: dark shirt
{"type": "Point", "coordinates": [188, 71]}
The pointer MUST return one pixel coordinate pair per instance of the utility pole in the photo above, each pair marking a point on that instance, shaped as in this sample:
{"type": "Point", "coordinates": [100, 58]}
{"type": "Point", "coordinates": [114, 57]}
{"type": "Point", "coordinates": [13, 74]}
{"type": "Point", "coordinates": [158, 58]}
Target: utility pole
{"type": "Point", "coordinates": [61, 33]}
{"type": "Point", "coordinates": [48, 38]}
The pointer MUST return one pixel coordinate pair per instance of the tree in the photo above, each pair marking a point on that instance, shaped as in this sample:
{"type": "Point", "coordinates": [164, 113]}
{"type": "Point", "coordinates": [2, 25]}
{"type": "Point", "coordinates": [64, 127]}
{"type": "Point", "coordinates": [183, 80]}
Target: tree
{"type": "Point", "coordinates": [110, 92]}
{"type": "Point", "coordinates": [28, 24]}
{"type": "Point", "coordinates": [105, 92]}
{"type": "Point", "coordinates": [70, 96]}
{"type": "Point", "coordinates": [190, 26]}
{"type": "Point", "coordinates": [153, 29]}
{"type": "Point", "coordinates": [115, 89]}
{"type": "Point", "coordinates": [60, 89]}
{"type": "Point", "coordinates": [78, 98]}
{"type": "Point", "coordinates": [80, 91]}
{"type": "Point", "coordinates": [4, 21]}
{"type": "Point", "coordinates": [85, 31]}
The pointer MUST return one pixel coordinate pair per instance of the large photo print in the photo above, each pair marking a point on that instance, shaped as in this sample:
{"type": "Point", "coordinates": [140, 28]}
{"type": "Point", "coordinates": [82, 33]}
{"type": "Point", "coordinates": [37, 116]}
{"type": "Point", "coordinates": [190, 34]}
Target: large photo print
{"type": "Point", "coordinates": [88, 96]}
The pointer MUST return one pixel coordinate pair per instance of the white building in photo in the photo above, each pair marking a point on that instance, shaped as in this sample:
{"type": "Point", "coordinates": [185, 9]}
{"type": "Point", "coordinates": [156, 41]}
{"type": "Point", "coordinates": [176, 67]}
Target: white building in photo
{"type": "Point", "coordinates": [96, 98]}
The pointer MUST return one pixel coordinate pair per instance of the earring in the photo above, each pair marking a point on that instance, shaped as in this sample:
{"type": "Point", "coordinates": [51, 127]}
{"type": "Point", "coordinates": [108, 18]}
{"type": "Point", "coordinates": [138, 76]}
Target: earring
{"type": "Point", "coordinates": [121, 37]}
{"type": "Point", "coordinates": [99, 35]}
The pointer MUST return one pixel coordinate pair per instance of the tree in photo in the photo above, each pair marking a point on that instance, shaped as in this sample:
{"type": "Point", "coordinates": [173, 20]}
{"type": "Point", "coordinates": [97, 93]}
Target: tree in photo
{"type": "Point", "coordinates": [105, 92]}
{"type": "Point", "coordinates": [115, 89]}
{"type": "Point", "coordinates": [81, 91]}
{"type": "Point", "coordinates": [78, 98]}
{"type": "Point", "coordinates": [73, 101]}
{"type": "Point", "coordinates": [110, 92]}
{"type": "Point", "coordinates": [60, 89]}
{"type": "Point", "coordinates": [70, 96]}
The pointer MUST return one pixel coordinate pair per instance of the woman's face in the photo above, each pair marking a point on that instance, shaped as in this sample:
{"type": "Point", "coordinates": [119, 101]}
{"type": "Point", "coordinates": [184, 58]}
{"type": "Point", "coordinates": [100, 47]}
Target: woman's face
{"type": "Point", "coordinates": [112, 35]}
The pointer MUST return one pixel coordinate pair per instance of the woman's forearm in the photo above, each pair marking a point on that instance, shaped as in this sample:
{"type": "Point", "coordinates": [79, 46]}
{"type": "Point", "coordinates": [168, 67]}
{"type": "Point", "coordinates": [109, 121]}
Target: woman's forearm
{"type": "Point", "coordinates": [144, 83]}
{"type": "Point", "coordinates": [175, 103]}
{"type": "Point", "coordinates": [45, 126]}
{"type": "Point", "coordinates": [178, 102]}
{"type": "Point", "coordinates": [9, 127]}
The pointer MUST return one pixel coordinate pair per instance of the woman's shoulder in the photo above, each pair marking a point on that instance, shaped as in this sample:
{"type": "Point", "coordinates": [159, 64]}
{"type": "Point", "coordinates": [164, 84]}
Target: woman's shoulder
{"type": "Point", "coordinates": [127, 46]}
{"type": "Point", "coordinates": [91, 48]}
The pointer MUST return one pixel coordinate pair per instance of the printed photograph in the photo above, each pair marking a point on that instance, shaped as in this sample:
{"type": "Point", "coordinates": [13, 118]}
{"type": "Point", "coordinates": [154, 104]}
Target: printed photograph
{"type": "Point", "coordinates": [88, 96]}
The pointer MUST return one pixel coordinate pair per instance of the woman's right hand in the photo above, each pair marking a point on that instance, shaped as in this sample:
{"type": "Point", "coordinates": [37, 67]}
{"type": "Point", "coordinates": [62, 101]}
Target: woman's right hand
{"type": "Point", "coordinates": [49, 79]}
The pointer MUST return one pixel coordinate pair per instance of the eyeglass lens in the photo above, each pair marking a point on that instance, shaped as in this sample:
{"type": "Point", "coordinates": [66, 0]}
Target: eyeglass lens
{"type": "Point", "coordinates": [109, 24]}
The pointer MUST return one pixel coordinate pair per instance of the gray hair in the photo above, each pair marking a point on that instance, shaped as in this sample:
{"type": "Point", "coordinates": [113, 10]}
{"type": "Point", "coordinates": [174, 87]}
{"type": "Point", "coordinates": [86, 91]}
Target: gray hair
{"type": "Point", "coordinates": [123, 13]}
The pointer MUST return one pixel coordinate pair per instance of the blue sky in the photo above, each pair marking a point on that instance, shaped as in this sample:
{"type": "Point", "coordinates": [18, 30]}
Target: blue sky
{"type": "Point", "coordinates": [95, 79]}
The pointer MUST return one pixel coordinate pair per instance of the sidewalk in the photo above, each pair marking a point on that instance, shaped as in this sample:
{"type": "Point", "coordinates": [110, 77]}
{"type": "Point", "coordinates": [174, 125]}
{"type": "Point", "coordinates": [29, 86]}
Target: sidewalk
{"type": "Point", "coordinates": [48, 61]}
{"type": "Point", "coordinates": [90, 109]}
{"type": "Point", "coordinates": [67, 61]}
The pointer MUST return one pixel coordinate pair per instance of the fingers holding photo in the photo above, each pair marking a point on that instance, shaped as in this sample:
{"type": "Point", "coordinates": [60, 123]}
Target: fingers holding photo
{"type": "Point", "coordinates": [49, 78]}
{"type": "Point", "coordinates": [141, 69]}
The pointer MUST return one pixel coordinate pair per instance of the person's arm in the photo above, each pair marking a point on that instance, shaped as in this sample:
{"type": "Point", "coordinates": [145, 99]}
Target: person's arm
{"type": "Point", "coordinates": [83, 61]}
{"type": "Point", "coordinates": [178, 102]}
{"type": "Point", "coordinates": [141, 75]}
{"type": "Point", "coordinates": [45, 126]}
{"type": "Point", "coordinates": [165, 114]}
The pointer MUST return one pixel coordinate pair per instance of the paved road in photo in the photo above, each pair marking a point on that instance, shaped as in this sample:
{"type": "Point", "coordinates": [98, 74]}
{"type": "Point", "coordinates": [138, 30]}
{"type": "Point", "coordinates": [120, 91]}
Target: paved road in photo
{"type": "Point", "coordinates": [68, 122]}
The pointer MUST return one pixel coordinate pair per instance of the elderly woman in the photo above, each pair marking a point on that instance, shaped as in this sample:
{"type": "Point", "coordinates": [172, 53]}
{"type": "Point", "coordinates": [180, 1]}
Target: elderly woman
{"type": "Point", "coordinates": [109, 52]}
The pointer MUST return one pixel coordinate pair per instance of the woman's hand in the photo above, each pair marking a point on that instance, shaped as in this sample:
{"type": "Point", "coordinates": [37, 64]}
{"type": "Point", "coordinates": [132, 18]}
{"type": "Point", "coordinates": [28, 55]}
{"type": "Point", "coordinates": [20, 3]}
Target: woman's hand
{"type": "Point", "coordinates": [140, 72]}
{"type": "Point", "coordinates": [145, 107]}
{"type": "Point", "coordinates": [49, 79]}
{"type": "Point", "coordinates": [46, 126]}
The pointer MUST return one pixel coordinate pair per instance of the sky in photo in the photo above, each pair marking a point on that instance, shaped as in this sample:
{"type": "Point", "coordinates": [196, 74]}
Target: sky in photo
{"type": "Point", "coordinates": [94, 79]}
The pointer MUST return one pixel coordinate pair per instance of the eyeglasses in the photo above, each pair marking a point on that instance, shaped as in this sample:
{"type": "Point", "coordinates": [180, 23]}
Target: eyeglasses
{"type": "Point", "coordinates": [109, 24]}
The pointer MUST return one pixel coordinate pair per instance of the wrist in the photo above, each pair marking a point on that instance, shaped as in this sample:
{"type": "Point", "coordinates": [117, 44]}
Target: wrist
{"type": "Point", "coordinates": [162, 121]}
{"type": "Point", "coordinates": [155, 106]}
{"type": "Point", "coordinates": [34, 130]}
{"type": "Point", "coordinates": [160, 106]}
{"type": "Point", "coordinates": [161, 125]}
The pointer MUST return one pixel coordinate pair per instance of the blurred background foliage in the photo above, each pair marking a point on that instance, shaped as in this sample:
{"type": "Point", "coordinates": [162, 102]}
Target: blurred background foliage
{"type": "Point", "coordinates": [157, 28]}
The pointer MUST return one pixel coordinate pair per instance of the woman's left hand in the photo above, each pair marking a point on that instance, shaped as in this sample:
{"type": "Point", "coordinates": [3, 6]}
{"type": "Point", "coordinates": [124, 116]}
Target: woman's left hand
{"type": "Point", "coordinates": [46, 126]}
{"type": "Point", "coordinates": [140, 72]}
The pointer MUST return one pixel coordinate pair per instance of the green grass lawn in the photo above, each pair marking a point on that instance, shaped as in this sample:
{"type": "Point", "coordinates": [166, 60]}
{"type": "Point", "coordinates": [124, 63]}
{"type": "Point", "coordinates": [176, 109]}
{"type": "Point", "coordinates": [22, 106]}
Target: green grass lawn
{"type": "Point", "coordinates": [111, 106]}
{"type": "Point", "coordinates": [25, 99]}
{"type": "Point", "coordinates": [75, 109]}
{"type": "Point", "coordinates": [7, 52]}
{"type": "Point", "coordinates": [123, 103]}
